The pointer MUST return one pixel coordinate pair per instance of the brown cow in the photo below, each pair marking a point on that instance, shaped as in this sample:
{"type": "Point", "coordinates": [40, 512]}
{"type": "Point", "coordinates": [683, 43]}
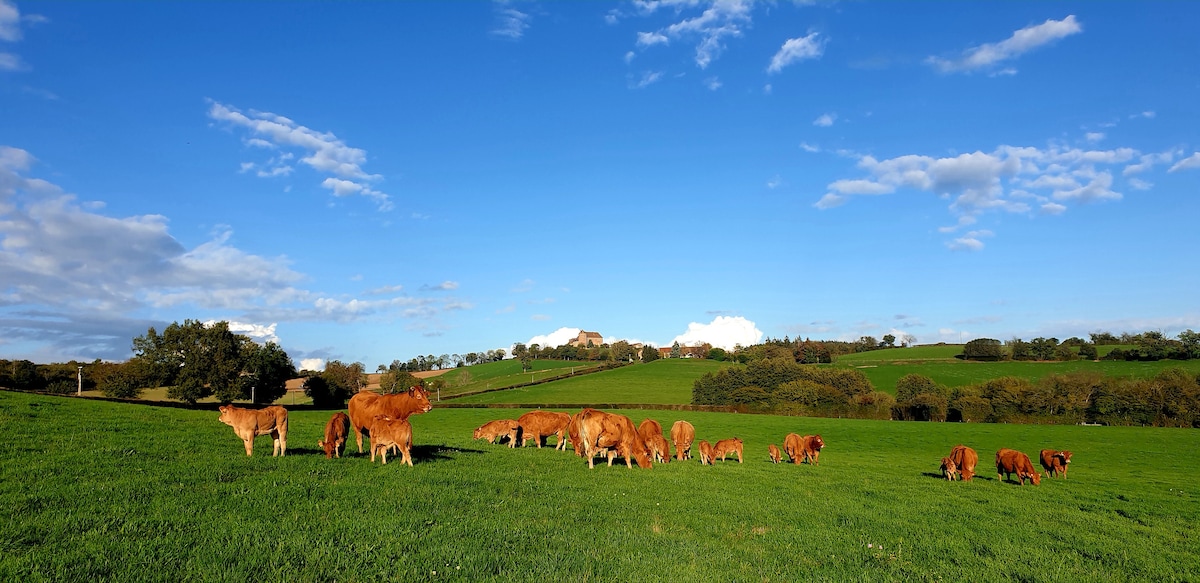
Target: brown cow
{"type": "Point", "coordinates": [336, 431]}
{"type": "Point", "coordinates": [498, 430]}
{"type": "Point", "coordinates": [538, 425]}
{"type": "Point", "coordinates": [811, 446]}
{"type": "Point", "coordinates": [365, 405]}
{"type": "Point", "coordinates": [773, 451]}
{"type": "Point", "coordinates": [1055, 462]}
{"type": "Point", "coordinates": [652, 434]}
{"type": "Point", "coordinates": [793, 445]}
{"type": "Point", "coordinates": [573, 434]}
{"type": "Point", "coordinates": [726, 447]}
{"type": "Point", "coordinates": [682, 434]}
{"type": "Point", "coordinates": [613, 434]}
{"type": "Point", "coordinates": [1010, 461]}
{"type": "Point", "coordinates": [387, 432]}
{"type": "Point", "coordinates": [949, 469]}
{"type": "Point", "coordinates": [964, 459]}
{"type": "Point", "coordinates": [249, 423]}
{"type": "Point", "coordinates": [706, 453]}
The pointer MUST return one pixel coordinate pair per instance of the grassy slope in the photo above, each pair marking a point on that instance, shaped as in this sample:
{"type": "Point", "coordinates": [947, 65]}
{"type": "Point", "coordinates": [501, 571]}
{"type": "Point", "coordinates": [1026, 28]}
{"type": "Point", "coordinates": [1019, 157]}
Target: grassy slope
{"type": "Point", "coordinates": [885, 367]}
{"type": "Point", "coordinates": [665, 381]}
{"type": "Point", "coordinates": [506, 373]}
{"type": "Point", "coordinates": [119, 492]}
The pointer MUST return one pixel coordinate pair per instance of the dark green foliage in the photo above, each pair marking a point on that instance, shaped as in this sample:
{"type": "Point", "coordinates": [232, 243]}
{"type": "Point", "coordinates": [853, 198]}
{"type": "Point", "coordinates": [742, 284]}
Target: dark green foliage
{"type": "Point", "coordinates": [781, 384]}
{"type": "Point", "coordinates": [323, 395]}
{"type": "Point", "coordinates": [1087, 351]}
{"type": "Point", "coordinates": [717, 354]}
{"type": "Point", "coordinates": [649, 353]}
{"type": "Point", "coordinates": [983, 349]}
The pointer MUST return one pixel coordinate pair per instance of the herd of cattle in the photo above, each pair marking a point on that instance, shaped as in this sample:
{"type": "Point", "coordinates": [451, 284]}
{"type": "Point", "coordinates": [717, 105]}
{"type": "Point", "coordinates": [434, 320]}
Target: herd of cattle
{"type": "Point", "coordinates": [592, 433]}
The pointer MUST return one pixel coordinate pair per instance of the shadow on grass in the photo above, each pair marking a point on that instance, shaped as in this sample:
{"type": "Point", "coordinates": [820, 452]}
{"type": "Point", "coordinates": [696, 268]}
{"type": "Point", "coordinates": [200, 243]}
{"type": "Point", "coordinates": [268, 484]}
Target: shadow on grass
{"type": "Point", "coordinates": [429, 453]}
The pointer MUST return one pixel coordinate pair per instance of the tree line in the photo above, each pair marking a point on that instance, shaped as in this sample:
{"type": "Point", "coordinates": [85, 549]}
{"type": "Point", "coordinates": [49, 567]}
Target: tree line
{"type": "Point", "coordinates": [1146, 346]}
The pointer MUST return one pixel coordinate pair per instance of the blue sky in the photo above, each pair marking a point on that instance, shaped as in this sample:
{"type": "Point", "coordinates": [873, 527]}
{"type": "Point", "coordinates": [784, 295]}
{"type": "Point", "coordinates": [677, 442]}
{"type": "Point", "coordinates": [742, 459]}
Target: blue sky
{"type": "Point", "coordinates": [372, 181]}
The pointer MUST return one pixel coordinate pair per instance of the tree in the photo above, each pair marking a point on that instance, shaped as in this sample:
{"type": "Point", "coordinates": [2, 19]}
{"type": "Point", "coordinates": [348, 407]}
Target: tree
{"type": "Point", "coordinates": [983, 349]}
{"type": "Point", "coordinates": [350, 378]}
{"type": "Point", "coordinates": [1190, 342]}
{"type": "Point", "coordinates": [323, 395]}
{"type": "Point", "coordinates": [266, 369]}
{"type": "Point", "coordinates": [649, 353]}
{"type": "Point", "coordinates": [889, 341]}
{"type": "Point", "coordinates": [195, 360]}
{"type": "Point", "coordinates": [675, 349]}
{"type": "Point", "coordinates": [907, 340]}
{"type": "Point", "coordinates": [1087, 351]}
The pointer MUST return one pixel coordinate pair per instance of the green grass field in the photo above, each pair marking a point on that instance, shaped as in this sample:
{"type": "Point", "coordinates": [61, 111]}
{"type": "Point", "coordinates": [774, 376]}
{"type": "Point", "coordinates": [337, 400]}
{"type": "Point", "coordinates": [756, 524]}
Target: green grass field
{"type": "Point", "coordinates": [108, 491]}
{"type": "Point", "coordinates": [666, 381]}
{"type": "Point", "coordinates": [507, 373]}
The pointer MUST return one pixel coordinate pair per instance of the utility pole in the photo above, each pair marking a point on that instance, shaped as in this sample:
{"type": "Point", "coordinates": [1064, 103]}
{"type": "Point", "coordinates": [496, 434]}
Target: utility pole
{"type": "Point", "coordinates": [79, 391]}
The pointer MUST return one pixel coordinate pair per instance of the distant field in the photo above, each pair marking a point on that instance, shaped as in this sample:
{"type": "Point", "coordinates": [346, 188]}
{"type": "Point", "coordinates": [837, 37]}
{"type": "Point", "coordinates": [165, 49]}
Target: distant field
{"type": "Point", "coordinates": [507, 373]}
{"type": "Point", "coordinates": [925, 352]}
{"type": "Point", "coordinates": [665, 381]}
{"type": "Point", "coordinates": [104, 491]}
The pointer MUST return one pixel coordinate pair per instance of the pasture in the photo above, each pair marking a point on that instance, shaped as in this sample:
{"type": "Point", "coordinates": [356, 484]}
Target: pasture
{"type": "Point", "coordinates": [666, 381]}
{"type": "Point", "coordinates": [113, 491]}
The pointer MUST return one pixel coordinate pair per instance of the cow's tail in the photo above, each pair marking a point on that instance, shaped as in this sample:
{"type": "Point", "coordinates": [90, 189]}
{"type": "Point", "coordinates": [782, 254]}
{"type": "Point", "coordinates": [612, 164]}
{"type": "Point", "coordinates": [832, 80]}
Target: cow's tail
{"type": "Point", "coordinates": [585, 434]}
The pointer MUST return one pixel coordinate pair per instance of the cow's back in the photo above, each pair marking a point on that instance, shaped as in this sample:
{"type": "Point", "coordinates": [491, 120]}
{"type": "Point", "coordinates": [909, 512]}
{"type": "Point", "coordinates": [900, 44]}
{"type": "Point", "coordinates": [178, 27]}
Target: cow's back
{"type": "Point", "coordinates": [965, 459]}
{"type": "Point", "coordinates": [648, 429]}
{"type": "Point", "coordinates": [682, 435]}
{"type": "Point", "coordinates": [793, 446]}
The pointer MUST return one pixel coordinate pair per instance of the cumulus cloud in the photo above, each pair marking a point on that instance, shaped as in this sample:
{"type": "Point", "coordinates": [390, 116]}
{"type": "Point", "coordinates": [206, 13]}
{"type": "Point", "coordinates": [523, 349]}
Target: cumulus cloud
{"type": "Point", "coordinates": [795, 50]}
{"type": "Point", "coordinates": [1008, 179]}
{"type": "Point", "coordinates": [723, 332]}
{"type": "Point", "coordinates": [554, 339]}
{"type": "Point", "coordinates": [324, 152]}
{"type": "Point", "coordinates": [718, 21]}
{"type": "Point", "coordinates": [261, 333]}
{"type": "Point", "coordinates": [970, 241]}
{"type": "Point", "coordinates": [316, 364]}
{"type": "Point", "coordinates": [10, 31]}
{"type": "Point", "coordinates": [712, 83]}
{"type": "Point", "coordinates": [825, 120]}
{"type": "Point", "coordinates": [1022, 41]}
{"type": "Point", "coordinates": [1149, 161]}
{"type": "Point", "coordinates": [1094, 136]}
{"type": "Point", "coordinates": [1190, 163]}
{"type": "Point", "coordinates": [444, 286]}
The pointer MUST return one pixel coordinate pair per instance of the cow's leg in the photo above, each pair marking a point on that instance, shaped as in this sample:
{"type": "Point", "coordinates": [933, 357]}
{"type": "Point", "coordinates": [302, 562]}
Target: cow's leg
{"type": "Point", "coordinates": [407, 455]}
{"type": "Point", "coordinates": [249, 443]}
{"type": "Point", "coordinates": [739, 456]}
{"type": "Point", "coordinates": [562, 440]}
{"type": "Point", "coordinates": [275, 443]}
{"type": "Point", "coordinates": [358, 435]}
{"type": "Point", "coordinates": [612, 454]}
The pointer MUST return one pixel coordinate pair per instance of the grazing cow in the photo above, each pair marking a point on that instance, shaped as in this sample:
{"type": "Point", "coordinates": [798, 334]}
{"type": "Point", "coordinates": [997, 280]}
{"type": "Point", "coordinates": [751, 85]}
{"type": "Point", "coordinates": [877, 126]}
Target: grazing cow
{"type": "Point", "coordinates": [793, 445]}
{"type": "Point", "coordinates": [949, 469]}
{"type": "Point", "coordinates": [682, 434]}
{"type": "Point", "coordinates": [964, 459]}
{"type": "Point", "coordinates": [573, 434]}
{"type": "Point", "coordinates": [726, 447]}
{"type": "Point", "coordinates": [498, 430]}
{"type": "Point", "coordinates": [336, 431]}
{"type": "Point", "coordinates": [249, 423]}
{"type": "Point", "coordinates": [387, 432]}
{"type": "Point", "coordinates": [706, 453]}
{"type": "Point", "coordinates": [1010, 461]}
{"type": "Point", "coordinates": [652, 434]}
{"type": "Point", "coordinates": [538, 425]}
{"type": "Point", "coordinates": [365, 405]}
{"type": "Point", "coordinates": [773, 450]}
{"type": "Point", "coordinates": [811, 447]}
{"type": "Point", "coordinates": [613, 434]}
{"type": "Point", "coordinates": [1055, 462]}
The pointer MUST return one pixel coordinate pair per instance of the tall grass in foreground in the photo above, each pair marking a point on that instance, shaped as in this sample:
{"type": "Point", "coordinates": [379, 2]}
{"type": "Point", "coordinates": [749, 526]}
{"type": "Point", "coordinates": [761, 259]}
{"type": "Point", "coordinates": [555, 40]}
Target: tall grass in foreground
{"type": "Point", "coordinates": [105, 491]}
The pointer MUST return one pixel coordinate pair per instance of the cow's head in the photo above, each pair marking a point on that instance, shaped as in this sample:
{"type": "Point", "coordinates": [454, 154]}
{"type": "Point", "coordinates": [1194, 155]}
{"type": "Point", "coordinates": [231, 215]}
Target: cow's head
{"type": "Point", "coordinates": [817, 442]}
{"type": "Point", "coordinates": [948, 468]}
{"type": "Point", "coordinates": [226, 414]}
{"type": "Point", "coordinates": [1065, 456]}
{"type": "Point", "coordinates": [1035, 477]}
{"type": "Point", "coordinates": [421, 396]}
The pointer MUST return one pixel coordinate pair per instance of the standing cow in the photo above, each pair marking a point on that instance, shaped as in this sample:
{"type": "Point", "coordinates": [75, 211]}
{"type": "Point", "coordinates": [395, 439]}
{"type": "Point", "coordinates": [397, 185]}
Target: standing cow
{"type": "Point", "coordinates": [965, 460]}
{"type": "Point", "coordinates": [682, 434]}
{"type": "Point", "coordinates": [773, 451]}
{"type": "Point", "coordinates": [366, 405]}
{"type": "Point", "coordinates": [494, 431]}
{"type": "Point", "coordinates": [336, 431]}
{"type": "Point", "coordinates": [811, 446]}
{"type": "Point", "coordinates": [538, 425]}
{"type": "Point", "coordinates": [1010, 461]}
{"type": "Point", "coordinates": [249, 423]}
{"type": "Point", "coordinates": [1055, 462]}
{"type": "Point", "coordinates": [614, 435]}
{"type": "Point", "coordinates": [386, 433]}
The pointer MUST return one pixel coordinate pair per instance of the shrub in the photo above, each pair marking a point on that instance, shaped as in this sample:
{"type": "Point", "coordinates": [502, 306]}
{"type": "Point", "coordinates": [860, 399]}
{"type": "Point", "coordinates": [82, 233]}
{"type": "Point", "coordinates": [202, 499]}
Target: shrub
{"type": "Point", "coordinates": [983, 349]}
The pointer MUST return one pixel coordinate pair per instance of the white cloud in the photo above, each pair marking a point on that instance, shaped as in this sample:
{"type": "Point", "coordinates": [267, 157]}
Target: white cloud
{"type": "Point", "coordinates": [712, 83]}
{"type": "Point", "coordinates": [325, 152]}
{"type": "Point", "coordinates": [1094, 136]}
{"type": "Point", "coordinates": [10, 22]}
{"type": "Point", "coordinates": [809, 148]}
{"type": "Point", "coordinates": [979, 182]}
{"type": "Point", "coordinates": [444, 286]}
{"type": "Point", "coordinates": [1139, 184]}
{"type": "Point", "coordinates": [387, 289]}
{"type": "Point", "coordinates": [261, 333]}
{"type": "Point", "coordinates": [719, 20]}
{"type": "Point", "coordinates": [825, 120]}
{"type": "Point", "coordinates": [723, 332]}
{"type": "Point", "coordinates": [767, 89]}
{"type": "Point", "coordinates": [969, 242]}
{"type": "Point", "coordinates": [795, 50]}
{"type": "Point", "coordinates": [1189, 163]}
{"type": "Point", "coordinates": [1021, 42]}
{"type": "Point", "coordinates": [1149, 161]}
{"type": "Point", "coordinates": [317, 364]}
{"type": "Point", "coordinates": [629, 57]}
{"type": "Point", "coordinates": [554, 339]}
{"type": "Point", "coordinates": [10, 62]}
{"type": "Point", "coordinates": [648, 78]}
{"type": "Point", "coordinates": [1144, 115]}
{"type": "Point", "coordinates": [774, 182]}
{"type": "Point", "coordinates": [510, 22]}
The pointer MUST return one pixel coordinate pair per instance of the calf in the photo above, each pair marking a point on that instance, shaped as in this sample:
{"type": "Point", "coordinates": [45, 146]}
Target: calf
{"type": "Point", "coordinates": [539, 425]}
{"type": "Point", "coordinates": [949, 469]}
{"type": "Point", "coordinates": [682, 434]}
{"type": "Point", "coordinates": [652, 434]}
{"type": "Point", "coordinates": [773, 451]}
{"type": "Point", "coordinates": [1009, 461]}
{"type": "Point", "coordinates": [964, 459]}
{"type": "Point", "coordinates": [336, 431]}
{"type": "Point", "coordinates": [498, 430]}
{"type": "Point", "coordinates": [249, 423]}
{"type": "Point", "coordinates": [386, 433]}
{"type": "Point", "coordinates": [726, 447]}
{"type": "Point", "coordinates": [1055, 462]}
{"type": "Point", "coordinates": [706, 453]}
